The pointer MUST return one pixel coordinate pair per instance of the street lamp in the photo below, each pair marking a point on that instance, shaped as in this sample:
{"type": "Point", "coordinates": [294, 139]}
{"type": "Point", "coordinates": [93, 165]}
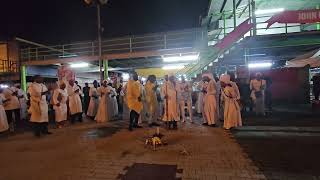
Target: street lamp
{"type": "Point", "coordinates": [98, 4]}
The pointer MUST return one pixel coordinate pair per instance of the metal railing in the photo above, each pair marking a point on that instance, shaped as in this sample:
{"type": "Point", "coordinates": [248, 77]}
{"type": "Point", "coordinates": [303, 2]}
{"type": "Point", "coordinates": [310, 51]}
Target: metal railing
{"type": "Point", "coordinates": [158, 41]}
{"type": "Point", "coordinates": [7, 66]}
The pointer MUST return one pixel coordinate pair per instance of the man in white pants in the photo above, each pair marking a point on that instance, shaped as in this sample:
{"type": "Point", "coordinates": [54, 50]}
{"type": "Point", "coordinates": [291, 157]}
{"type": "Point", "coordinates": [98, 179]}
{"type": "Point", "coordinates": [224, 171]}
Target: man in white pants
{"type": "Point", "coordinates": [184, 90]}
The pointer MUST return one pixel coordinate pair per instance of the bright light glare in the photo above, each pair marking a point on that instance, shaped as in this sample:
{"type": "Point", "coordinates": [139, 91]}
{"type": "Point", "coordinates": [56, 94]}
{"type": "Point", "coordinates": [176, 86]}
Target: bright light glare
{"type": "Point", "coordinates": [172, 67]}
{"type": "Point", "coordinates": [260, 65]}
{"type": "Point", "coordinates": [3, 86]}
{"type": "Point", "coordinates": [79, 65]}
{"type": "Point", "coordinates": [211, 64]}
{"type": "Point", "coordinates": [143, 79]}
{"type": "Point", "coordinates": [180, 58]}
{"type": "Point", "coordinates": [269, 11]}
{"type": "Point", "coordinates": [125, 76]}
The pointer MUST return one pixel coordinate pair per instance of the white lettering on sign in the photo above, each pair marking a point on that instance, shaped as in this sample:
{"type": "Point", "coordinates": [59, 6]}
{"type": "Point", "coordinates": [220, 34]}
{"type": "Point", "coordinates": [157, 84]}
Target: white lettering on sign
{"type": "Point", "coordinates": [309, 15]}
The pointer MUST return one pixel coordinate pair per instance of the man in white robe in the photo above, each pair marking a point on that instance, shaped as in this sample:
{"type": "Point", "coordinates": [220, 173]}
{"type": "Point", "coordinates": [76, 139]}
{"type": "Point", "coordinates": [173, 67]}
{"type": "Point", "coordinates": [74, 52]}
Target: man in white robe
{"type": "Point", "coordinates": [4, 126]}
{"type": "Point", "coordinates": [230, 96]}
{"type": "Point", "coordinates": [184, 90]}
{"type": "Point", "coordinates": [59, 98]}
{"type": "Point", "coordinates": [23, 105]}
{"type": "Point", "coordinates": [102, 113]}
{"type": "Point", "coordinates": [210, 103]}
{"type": "Point", "coordinates": [151, 100]}
{"type": "Point", "coordinates": [257, 87]}
{"type": "Point", "coordinates": [169, 92]}
{"type": "Point", "coordinates": [75, 105]}
{"type": "Point", "coordinates": [38, 106]}
{"type": "Point", "coordinates": [12, 107]}
{"type": "Point", "coordinates": [94, 101]}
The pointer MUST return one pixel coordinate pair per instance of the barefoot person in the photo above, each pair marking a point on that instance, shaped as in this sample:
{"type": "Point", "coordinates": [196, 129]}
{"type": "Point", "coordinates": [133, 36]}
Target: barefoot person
{"type": "Point", "coordinates": [169, 92]}
{"type": "Point", "coordinates": [230, 96]}
{"type": "Point", "coordinates": [210, 103]}
{"type": "Point", "coordinates": [59, 98]}
{"type": "Point", "coordinates": [151, 100]}
{"type": "Point", "coordinates": [103, 93]}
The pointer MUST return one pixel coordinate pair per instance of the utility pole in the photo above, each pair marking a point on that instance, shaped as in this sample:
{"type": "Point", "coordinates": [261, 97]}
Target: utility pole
{"type": "Point", "coordinates": [98, 4]}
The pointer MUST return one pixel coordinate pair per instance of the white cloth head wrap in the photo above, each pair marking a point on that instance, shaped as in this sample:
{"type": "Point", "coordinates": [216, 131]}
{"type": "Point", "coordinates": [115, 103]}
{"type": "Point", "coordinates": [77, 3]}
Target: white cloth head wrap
{"type": "Point", "coordinates": [225, 78]}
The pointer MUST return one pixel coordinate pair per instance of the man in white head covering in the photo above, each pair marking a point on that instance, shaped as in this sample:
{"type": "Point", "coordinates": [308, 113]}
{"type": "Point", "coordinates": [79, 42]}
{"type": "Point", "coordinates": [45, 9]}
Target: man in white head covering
{"type": "Point", "coordinates": [12, 107]}
{"type": "Point", "coordinates": [210, 103]}
{"type": "Point", "coordinates": [169, 92]}
{"type": "Point", "coordinates": [230, 96]}
{"type": "Point", "coordinates": [75, 105]}
{"type": "Point", "coordinates": [184, 90]}
{"type": "Point", "coordinates": [59, 98]}
{"type": "Point", "coordinates": [257, 87]}
{"type": "Point", "coordinates": [38, 106]}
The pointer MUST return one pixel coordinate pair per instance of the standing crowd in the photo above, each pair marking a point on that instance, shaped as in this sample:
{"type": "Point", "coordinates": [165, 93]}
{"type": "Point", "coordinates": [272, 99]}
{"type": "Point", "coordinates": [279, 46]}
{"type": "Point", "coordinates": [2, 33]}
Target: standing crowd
{"type": "Point", "coordinates": [172, 101]}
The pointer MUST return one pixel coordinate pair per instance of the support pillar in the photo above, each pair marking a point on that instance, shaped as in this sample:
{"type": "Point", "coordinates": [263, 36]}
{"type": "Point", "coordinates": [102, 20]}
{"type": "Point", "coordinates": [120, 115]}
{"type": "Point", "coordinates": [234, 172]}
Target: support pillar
{"type": "Point", "coordinates": [23, 77]}
{"type": "Point", "coordinates": [250, 14]}
{"type": "Point", "coordinates": [254, 18]}
{"type": "Point", "coordinates": [318, 24]}
{"type": "Point", "coordinates": [224, 23]}
{"type": "Point", "coordinates": [105, 69]}
{"type": "Point", "coordinates": [234, 14]}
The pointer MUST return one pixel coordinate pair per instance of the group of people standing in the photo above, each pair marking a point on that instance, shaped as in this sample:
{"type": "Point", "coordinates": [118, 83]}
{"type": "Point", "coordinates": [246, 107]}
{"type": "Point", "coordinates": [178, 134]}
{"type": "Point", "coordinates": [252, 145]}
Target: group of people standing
{"type": "Point", "coordinates": [219, 98]}
{"type": "Point", "coordinates": [176, 96]}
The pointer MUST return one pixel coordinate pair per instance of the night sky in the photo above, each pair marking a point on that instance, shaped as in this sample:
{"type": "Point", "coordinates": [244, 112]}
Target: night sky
{"type": "Point", "coordinates": [63, 21]}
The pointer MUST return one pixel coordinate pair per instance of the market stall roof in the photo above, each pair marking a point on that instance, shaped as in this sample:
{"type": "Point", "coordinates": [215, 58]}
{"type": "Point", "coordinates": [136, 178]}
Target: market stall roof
{"type": "Point", "coordinates": [311, 58]}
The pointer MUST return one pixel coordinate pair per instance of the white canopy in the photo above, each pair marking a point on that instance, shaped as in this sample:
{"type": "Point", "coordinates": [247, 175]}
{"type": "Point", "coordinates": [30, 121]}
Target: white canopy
{"type": "Point", "coordinates": [312, 58]}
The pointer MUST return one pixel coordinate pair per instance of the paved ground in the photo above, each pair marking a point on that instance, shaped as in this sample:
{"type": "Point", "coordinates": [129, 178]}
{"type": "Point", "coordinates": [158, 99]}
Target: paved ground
{"type": "Point", "coordinates": [110, 151]}
{"type": "Point", "coordinates": [284, 146]}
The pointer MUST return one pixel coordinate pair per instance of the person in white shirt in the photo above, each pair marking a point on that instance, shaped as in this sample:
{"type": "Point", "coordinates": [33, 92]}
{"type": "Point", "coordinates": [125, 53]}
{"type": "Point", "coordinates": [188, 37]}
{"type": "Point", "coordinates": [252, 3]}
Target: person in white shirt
{"type": "Point", "coordinates": [38, 106]}
{"type": "Point", "coordinates": [230, 96]}
{"type": "Point", "coordinates": [210, 104]}
{"type": "Point", "coordinates": [102, 113]}
{"type": "Point", "coordinates": [169, 93]}
{"type": "Point", "coordinates": [257, 87]}
{"type": "Point", "coordinates": [75, 105]}
{"type": "Point", "coordinates": [94, 100]}
{"type": "Point", "coordinates": [3, 117]}
{"type": "Point", "coordinates": [12, 107]}
{"type": "Point", "coordinates": [59, 98]}
{"type": "Point", "coordinates": [184, 90]}
{"type": "Point", "coordinates": [23, 103]}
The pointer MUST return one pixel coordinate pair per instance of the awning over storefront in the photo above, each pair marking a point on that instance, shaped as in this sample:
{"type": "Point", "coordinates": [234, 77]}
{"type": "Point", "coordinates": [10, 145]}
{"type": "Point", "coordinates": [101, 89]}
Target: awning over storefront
{"type": "Point", "coordinates": [312, 58]}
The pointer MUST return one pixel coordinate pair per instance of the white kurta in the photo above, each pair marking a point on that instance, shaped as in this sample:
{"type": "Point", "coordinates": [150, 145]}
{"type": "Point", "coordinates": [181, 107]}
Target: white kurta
{"type": "Point", "coordinates": [184, 90]}
{"type": "Point", "coordinates": [210, 103]}
{"type": "Point", "coordinates": [23, 104]}
{"type": "Point", "coordinates": [94, 102]}
{"type": "Point", "coordinates": [61, 112]}
{"type": "Point", "coordinates": [232, 115]}
{"type": "Point", "coordinates": [102, 113]}
{"type": "Point", "coordinates": [3, 117]}
{"type": "Point", "coordinates": [13, 102]}
{"type": "Point", "coordinates": [75, 105]}
{"type": "Point", "coordinates": [38, 103]}
{"type": "Point", "coordinates": [171, 103]}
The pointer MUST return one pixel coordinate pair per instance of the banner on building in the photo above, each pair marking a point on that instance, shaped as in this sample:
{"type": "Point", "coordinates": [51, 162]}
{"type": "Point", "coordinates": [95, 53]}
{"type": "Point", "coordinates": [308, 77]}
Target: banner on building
{"type": "Point", "coordinates": [300, 16]}
{"type": "Point", "coordinates": [235, 35]}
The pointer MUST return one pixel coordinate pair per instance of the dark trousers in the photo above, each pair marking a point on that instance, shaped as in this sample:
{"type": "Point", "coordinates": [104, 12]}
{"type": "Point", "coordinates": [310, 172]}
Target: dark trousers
{"type": "Point", "coordinates": [76, 117]}
{"type": "Point", "coordinates": [39, 128]}
{"type": "Point", "coordinates": [134, 117]}
{"type": "Point", "coordinates": [316, 94]}
{"type": "Point", "coordinates": [10, 118]}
